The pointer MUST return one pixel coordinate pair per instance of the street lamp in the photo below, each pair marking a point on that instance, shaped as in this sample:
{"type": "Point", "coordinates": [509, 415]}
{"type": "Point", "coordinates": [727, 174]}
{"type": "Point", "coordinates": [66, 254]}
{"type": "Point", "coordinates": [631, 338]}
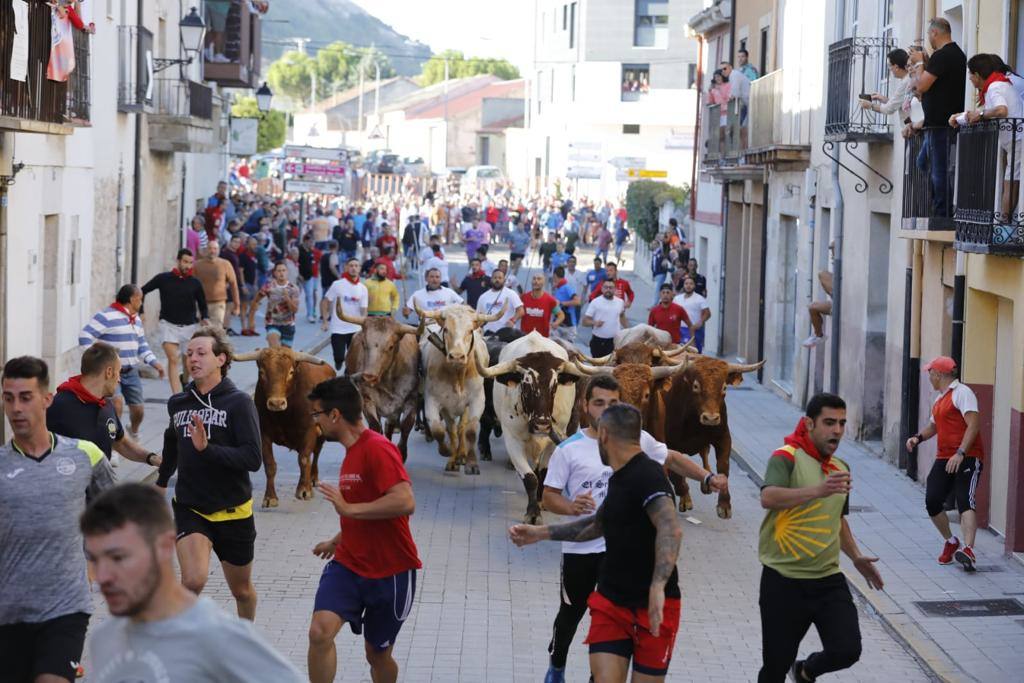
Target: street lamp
{"type": "Point", "coordinates": [190, 29]}
{"type": "Point", "coordinates": [263, 97]}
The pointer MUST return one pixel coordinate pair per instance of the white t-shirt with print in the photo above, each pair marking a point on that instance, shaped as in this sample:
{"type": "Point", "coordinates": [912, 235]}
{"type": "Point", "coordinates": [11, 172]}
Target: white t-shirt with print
{"type": "Point", "coordinates": [491, 301]}
{"type": "Point", "coordinates": [354, 301]}
{"type": "Point", "coordinates": [694, 305]}
{"type": "Point", "coordinates": [433, 300]}
{"type": "Point", "coordinates": [608, 311]}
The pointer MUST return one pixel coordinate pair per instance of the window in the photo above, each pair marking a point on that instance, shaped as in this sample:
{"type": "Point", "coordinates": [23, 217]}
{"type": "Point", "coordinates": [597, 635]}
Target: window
{"type": "Point", "coordinates": [631, 129]}
{"type": "Point", "coordinates": [691, 76]}
{"type": "Point", "coordinates": [572, 25]}
{"type": "Point", "coordinates": [763, 58]}
{"type": "Point", "coordinates": [650, 23]}
{"type": "Point", "coordinates": [636, 79]}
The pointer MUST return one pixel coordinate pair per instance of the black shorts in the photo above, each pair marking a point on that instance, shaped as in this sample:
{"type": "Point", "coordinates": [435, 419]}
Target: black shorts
{"type": "Point", "coordinates": [516, 256]}
{"type": "Point", "coordinates": [963, 483]}
{"type": "Point", "coordinates": [49, 647]}
{"type": "Point", "coordinates": [234, 540]}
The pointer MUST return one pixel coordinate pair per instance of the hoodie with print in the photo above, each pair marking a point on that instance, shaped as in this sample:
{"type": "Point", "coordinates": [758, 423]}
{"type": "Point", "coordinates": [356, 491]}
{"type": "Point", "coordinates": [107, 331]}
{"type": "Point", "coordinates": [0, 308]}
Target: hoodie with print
{"type": "Point", "coordinates": [218, 476]}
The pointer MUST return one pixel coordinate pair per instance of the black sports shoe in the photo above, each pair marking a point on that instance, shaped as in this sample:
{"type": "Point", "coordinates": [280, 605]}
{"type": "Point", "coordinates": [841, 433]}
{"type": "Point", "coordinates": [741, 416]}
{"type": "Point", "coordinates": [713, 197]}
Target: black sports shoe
{"type": "Point", "coordinates": [797, 672]}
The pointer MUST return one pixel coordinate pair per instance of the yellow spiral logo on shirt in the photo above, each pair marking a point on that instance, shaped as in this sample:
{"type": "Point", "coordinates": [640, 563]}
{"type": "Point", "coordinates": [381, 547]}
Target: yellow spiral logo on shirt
{"type": "Point", "coordinates": [794, 533]}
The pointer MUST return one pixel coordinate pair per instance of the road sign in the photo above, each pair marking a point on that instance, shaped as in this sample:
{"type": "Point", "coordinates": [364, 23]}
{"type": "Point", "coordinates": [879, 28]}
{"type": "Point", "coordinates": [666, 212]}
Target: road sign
{"type": "Point", "coordinates": [646, 173]}
{"type": "Point", "coordinates": [321, 153]}
{"type": "Point", "coordinates": [292, 185]}
{"type": "Point", "coordinates": [298, 168]}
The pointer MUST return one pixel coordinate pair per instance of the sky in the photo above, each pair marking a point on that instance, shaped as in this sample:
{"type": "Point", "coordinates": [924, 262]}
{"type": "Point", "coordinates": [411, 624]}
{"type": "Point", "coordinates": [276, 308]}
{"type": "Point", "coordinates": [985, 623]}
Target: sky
{"type": "Point", "coordinates": [479, 28]}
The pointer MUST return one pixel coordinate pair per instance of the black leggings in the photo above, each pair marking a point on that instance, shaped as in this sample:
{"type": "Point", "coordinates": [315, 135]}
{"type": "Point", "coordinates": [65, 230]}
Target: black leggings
{"type": "Point", "coordinates": [601, 346]}
{"type": "Point", "coordinates": [579, 576]}
{"type": "Point", "coordinates": [962, 485]}
{"type": "Point", "coordinates": [789, 607]}
{"type": "Point", "coordinates": [339, 345]}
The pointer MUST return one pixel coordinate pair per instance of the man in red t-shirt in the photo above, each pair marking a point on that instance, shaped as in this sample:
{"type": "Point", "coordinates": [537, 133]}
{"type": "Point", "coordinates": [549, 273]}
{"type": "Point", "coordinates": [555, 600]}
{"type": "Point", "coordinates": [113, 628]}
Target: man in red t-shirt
{"type": "Point", "coordinates": [538, 306]}
{"type": "Point", "coordinates": [387, 240]}
{"type": "Point", "coordinates": [622, 289]}
{"type": "Point", "coordinates": [370, 580]}
{"type": "Point", "coordinates": [666, 315]}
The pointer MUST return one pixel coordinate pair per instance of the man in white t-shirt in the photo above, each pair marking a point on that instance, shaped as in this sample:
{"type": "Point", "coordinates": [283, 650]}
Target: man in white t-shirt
{"type": "Point", "coordinates": [491, 301]}
{"type": "Point", "coordinates": [354, 301]}
{"type": "Point", "coordinates": [433, 297]}
{"type": "Point", "coordinates": [697, 310]}
{"type": "Point", "coordinates": [576, 484]}
{"type": "Point", "coordinates": [607, 315]}
{"type": "Point", "coordinates": [436, 261]}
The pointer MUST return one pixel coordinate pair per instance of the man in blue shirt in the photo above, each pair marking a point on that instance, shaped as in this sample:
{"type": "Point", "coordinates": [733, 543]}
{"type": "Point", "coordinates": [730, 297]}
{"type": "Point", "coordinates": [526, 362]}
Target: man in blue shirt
{"type": "Point", "coordinates": [596, 276]}
{"type": "Point", "coordinates": [569, 299]}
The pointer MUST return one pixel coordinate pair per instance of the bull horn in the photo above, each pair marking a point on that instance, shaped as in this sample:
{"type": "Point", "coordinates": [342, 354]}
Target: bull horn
{"type": "Point", "coordinates": [603, 360]}
{"type": "Point", "coordinates": [663, 371]}
{"type": "Point", "coordinates": [423, 315]}
{"type": "Point", "coordinates": [749, 367]}
{"type": "Point", "coordinates": [246, 355]}
{"type": "Point", "coordinates": [352, 319]}
{"type": "Point", "coordinates": [495, 370]}
{"type": "Point", "coordinates": [485, 318]}
{"type": "Point", "coordinates": [591, 369]}
{"type": "Point", "coordinates": [408, 329]}
{"type": "Point", "coordinates": [680, 348]}
{"type": "Point", "coordinates": [673, 361]}
{"type": "Point", "coordinates": [570, 367]}
{"type": "Point", "coordinates": [303, 357]}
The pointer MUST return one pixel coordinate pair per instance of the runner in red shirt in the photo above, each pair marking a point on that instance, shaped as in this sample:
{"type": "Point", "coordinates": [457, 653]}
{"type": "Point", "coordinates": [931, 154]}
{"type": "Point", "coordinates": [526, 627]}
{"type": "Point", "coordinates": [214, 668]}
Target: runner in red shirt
{"type": "Point", "coordinates": [666, 315]}
{"type": "Point", "coordinates": [622, 289]}
{"type": "Point", "coordinates": [371, 580]}
{"type": "Point", "coordinates": [387, 240]}
{"type": "Point", "coordinates": [538, 306]}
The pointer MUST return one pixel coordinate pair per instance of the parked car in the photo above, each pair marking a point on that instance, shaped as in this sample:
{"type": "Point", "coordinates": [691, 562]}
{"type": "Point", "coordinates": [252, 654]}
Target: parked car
{"type": "Point", "coordinates": [388, 163]}
{"type": "Point", "coordinates": [414, 166]}
{"type": "Point", "coordinates": [477, 174]}
{"type": "Point", "coordinates": [372, 158]}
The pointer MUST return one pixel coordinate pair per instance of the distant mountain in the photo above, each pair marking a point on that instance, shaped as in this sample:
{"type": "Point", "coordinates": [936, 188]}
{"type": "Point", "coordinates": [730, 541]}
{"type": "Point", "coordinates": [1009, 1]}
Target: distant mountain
{"type": "Point", "coordinates": [324, 21]}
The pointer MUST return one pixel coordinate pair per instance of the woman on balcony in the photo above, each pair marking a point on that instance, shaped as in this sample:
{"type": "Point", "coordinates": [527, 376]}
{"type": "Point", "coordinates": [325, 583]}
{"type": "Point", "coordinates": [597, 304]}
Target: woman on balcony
{"type": "Point", "coordinates": [719, 94]}
{"type": "Point", "coordinates": [997, 100]}
{"type": "Point", "coordinates": [900, 86]}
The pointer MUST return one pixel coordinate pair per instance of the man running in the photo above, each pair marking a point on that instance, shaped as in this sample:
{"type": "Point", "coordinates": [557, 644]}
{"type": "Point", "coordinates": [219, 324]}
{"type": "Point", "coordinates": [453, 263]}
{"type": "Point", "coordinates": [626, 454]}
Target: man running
{"type": "Point", "coordinates": [181, 297]}
{"type": "Point", "coordinates": [433, 297]}
{"type": "Point", "coordinates": [475, 283]}
{"type": "Point", "coordinates": [45, 480]}
{"type": "Point", "coordinates": [216, 443]}
{"type": "Point", "coordinates": [569, 299]}
{"type": "Point", "coordinates": [498, 298]}
{"type": "Point", "coordinates": [538, 307]}
{"type": "Point", "coordinates": [160, 630]}
{"type": "Point", "coordinates": [667, 315]}
{"type": "Point", "coordinates": [607, 315]}
{"type": "Point", "coordinates": [576, 484]}
{"type": "Point", "coordinates": [282, 305]}
{"type": "Point", "coordinates": [355, 301]}
{"type": "Point", "coordinates": [623, 290]}
{"type": "Point", "coordinates": [806, 493]}
{"type": "Point", "coordinates": [634, 613]}
{"type": "Point", "coordinates": [382, 295]}
{"type": "Point", "coordinates": [958, 460]}
{"type": "Point", "coordinates": [219, 280]}
{"type": "Point", "coordinates": [370, 581]}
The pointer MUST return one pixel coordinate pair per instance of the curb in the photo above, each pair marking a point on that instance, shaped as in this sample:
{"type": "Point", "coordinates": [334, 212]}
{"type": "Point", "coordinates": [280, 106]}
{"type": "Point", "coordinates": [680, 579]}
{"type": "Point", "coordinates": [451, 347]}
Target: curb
{"type": "Point", "coordinates": [893, 617]}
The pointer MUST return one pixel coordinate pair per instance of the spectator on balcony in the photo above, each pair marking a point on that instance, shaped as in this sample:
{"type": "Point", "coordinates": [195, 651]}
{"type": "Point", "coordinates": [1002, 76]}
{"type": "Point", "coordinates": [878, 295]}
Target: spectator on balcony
{"type": "Point", "coordinates": [1016, 80]}
{"type": "Point", "coordinates": [900, 85]}
{"type": "Point", "coordinates": [941, 87]}
{"type": "Point", "coordinates": [996, 100]}
{"type": "Point", "coordinates": [739, 88]}
{"type": "Point", "coordinates": [719, 94]}
{"type": "Point", "coordinates": [748, 69]}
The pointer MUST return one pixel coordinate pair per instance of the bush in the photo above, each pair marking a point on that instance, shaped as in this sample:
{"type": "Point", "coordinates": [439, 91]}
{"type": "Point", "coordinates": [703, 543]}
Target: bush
{"type": "Point", "coordinates": [644, 198]}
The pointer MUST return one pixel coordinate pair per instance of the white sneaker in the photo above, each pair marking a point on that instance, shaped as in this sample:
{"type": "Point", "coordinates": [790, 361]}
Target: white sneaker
{"type": "Point", "coordinates": [813, 341]}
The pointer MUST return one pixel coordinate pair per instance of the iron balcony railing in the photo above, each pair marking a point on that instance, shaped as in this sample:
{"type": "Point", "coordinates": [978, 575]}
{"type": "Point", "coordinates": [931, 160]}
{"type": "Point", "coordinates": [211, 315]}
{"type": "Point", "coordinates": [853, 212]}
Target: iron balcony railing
{"type": "Point", "coordinates": [712, 132]}
{"type": "Point", "coordinates": [184, 99]}
{"type": "Point", "coordinates": [735, 130]}
{"type": "Point", "coordinates": [989, 213]}
{"type": "Point", "coordinates": [856, 68]}
{"type": "Point", "coordinates": [37, 98]}
{"type": "Point", "coordinates": [725, 136]}
{"type": "Point", "coordinates": [919, 211]}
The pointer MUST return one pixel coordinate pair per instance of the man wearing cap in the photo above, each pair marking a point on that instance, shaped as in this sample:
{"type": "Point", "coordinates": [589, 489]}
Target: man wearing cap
{"type": "Point", "coordinates": [957, 466]}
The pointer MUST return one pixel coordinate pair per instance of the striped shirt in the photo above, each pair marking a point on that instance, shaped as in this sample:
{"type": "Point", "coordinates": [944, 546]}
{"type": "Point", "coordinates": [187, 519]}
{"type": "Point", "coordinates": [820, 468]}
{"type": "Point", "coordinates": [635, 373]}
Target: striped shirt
{"type": "Point", "coordinates": [127, 336]}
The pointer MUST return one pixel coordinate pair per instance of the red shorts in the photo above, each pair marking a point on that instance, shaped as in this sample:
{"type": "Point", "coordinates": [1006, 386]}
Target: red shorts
{"type": "Point", "coordinates": [625, 631]}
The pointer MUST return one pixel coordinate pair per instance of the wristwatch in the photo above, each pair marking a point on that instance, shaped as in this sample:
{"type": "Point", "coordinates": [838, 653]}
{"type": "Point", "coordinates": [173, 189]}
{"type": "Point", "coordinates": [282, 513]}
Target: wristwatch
{"type": "Point", "coordinates": [961, 451]}
{"type": "Point", "coordinates": [707, 480]}
{"type": "Point", "coordinates": [149, 458]}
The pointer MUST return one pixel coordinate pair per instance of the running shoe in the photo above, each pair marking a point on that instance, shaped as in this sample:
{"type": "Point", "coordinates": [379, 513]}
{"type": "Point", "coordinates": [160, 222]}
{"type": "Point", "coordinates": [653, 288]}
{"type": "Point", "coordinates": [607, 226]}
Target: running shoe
{"type": "Point", "coordinates": [555, 675]}
{"type": "Point", "coordinates": [965, 556]}
{"type": "Point", "coordinates": [230, 332]}
{"type": "Point", "coordinates": [949, 550]}
{"type": "Point", "coordinates": [813, 341]}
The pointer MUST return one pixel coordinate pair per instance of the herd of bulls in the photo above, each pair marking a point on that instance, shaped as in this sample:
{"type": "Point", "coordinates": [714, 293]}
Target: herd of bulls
{"type": "Point", "coordinates": [526, 388]}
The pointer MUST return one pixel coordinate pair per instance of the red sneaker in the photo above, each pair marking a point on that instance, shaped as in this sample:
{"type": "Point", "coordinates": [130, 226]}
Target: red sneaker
{"type": "Point", "coordinates": [947, 552]}
{"type": "Point", "coordinates": [965, 556]}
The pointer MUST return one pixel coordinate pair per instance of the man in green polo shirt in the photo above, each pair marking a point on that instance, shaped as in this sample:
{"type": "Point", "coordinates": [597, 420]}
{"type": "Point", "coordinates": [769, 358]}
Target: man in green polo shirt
{"type": "Point", "coordinates": [807, 495]}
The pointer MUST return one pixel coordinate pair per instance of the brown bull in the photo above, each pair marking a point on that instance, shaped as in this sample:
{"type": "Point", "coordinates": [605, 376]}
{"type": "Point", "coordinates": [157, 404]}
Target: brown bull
{"type": "Point", "coordinates": [384, 361]}
{"type": "Point", "coordinates": [286, 378]}
{"type": "Point", "coordinates": [643, 353]}
{"type": "Point", "coordinates": [696, 419]}
{"type": "Point", "coordinates": [639, 385]}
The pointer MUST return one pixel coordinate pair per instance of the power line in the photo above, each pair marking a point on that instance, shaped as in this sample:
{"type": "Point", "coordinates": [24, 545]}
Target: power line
{"type": "Point", "coordinates": [320, 45]}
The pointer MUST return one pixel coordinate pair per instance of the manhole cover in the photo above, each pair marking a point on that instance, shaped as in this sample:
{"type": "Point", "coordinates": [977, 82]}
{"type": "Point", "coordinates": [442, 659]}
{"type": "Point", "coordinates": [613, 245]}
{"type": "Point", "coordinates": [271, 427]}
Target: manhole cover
{"type": "Point", "coordinates": [971, 608]}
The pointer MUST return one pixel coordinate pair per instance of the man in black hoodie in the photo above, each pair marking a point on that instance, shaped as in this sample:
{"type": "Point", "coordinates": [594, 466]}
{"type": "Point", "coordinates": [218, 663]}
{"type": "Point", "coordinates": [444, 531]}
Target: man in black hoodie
{"type": "Point", "coordinates": [214, 441]}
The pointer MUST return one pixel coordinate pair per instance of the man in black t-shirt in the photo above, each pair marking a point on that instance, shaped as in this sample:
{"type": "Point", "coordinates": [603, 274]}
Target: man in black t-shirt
{"type": "Point", "coordinates": [474, 284]}
{"type": "Point", "coordinates": [941, 87]}
{"type": "Point", "coordinates": [635, 610]}
{"type": "Point", "coordinates": [82, 409]}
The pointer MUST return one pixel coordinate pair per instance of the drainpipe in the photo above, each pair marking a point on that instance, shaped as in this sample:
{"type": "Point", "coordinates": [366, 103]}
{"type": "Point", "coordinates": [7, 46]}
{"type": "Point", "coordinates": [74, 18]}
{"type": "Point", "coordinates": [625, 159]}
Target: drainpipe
{"type": "Point", "coordinates": [696, 132]}
{"type": "Point", "coordinates": [119, 229]}
{"type": "Point", "coordinates": [838, 209]}
{"type": "Point", "coordinates": [181, 210]}
{"type": "Point", "coordinates": [764, 263]}
{"type": "Point", "coordinates": [914, 388]}
{"type": "Point", "coordinates": [137, 174]}
{"type": "Point", "coordinates": [959, 290]}
{"type": "Point", "coordinates": [725, 268]}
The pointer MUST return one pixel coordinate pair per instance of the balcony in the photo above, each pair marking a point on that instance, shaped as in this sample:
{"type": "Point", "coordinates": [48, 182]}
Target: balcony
{"type": "Point", "coordinates": [857, 66]}
{"type": "Point", "coordinates": [182, 117]}
{"type": "Point", "coordinates": [231, 53]}
{"type": "Point", "coordinates": [725, 142]}
{"type": "Point", "coordinates": [989, 215]}
{"type": "Point", "coordinates": [134, 69]}
{"type": "Point", "coordinates": [35, 104]}
{"type": "Point", "coordinates": [779, 136]}
{"type": "Point", "coordinates": [918, 211]}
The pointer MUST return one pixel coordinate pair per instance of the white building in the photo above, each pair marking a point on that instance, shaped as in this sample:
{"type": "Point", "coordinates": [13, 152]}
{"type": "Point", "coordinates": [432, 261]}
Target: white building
{"type": "Point", "coordinates": [611, 88]}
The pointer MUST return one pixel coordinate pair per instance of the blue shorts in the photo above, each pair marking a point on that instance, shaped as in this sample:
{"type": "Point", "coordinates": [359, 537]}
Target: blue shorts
{"type": "Point", "coordinates": [379, 605]}
{"type": "Point", "coordinates": [286, 332]}
{"type": "Point", "coordinates": [130, 386]}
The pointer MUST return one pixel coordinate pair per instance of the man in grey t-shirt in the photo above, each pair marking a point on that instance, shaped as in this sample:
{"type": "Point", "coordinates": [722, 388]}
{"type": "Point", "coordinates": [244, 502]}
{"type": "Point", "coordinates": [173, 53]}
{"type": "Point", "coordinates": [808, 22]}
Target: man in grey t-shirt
{"type": "Point", "coordinates": [162, 631]}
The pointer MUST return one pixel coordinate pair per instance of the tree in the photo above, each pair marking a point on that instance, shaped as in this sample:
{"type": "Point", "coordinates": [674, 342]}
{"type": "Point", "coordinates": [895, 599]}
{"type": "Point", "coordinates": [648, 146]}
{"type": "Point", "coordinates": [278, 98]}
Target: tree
{"type": "Point", "coordinates": [335, 68]}
{"type": "Point", "coordinates": [644, 198]}
{"type": "Point", "coordinates": [291, 75]}
{"type": "Point", "coordinates": [460, 67]}
{"type": "Point", "coordinates": [272, 127]}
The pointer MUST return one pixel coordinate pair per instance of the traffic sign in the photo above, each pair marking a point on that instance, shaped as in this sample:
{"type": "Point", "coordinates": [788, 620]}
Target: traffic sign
{"type": "Point", "coordinates": [292, 185]}
{"type": "Point", "coordinates": [645, 173]}
{"type": "Point", "coordinates": [298, 168]}
{"type": "Point", "coordinates": [321, 153]}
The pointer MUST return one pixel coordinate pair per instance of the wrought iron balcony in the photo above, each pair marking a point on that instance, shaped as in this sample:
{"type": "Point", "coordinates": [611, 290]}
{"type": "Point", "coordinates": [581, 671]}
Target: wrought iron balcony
{"type": "Point", "coordinates": [857, 66]}
{"type": "Point", "coordinates": [989, 212]}
{"type": "Point", "coordinates": [919, 211]}
{"type": "Point", "coordinates": [182, 117]}
{"type": "Point", "coordinates": [35, 103]}
{"type": "Point", "coordinates": [231, 53]}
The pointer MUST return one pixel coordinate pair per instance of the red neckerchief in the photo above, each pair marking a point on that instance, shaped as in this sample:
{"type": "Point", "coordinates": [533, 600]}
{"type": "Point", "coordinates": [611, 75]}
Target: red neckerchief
{"type": "Point", "coordinates": [118, 307]}
{"type": "Point", "coordinates": [75, 386]}
{"type": "Point", "coordinates": [439, 255]}
{"type": "Point", "coordinates": [802, 440]}
{"type": "Point", "coordinates": [177, 273]}
{"type": "Point", "coordinates": [353, 280]}
{"type": "Point", "coordinates": [995, 77]}
{"type": "Point", "coordinates": [562, 282]}
{"type": "Point", "coordinates": [476, 274]}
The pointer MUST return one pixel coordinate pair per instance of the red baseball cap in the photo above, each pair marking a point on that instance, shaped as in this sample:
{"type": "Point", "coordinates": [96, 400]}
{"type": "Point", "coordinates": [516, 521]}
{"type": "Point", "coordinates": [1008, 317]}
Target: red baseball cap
{"type": "Point", "coordinates": [943, 364]}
